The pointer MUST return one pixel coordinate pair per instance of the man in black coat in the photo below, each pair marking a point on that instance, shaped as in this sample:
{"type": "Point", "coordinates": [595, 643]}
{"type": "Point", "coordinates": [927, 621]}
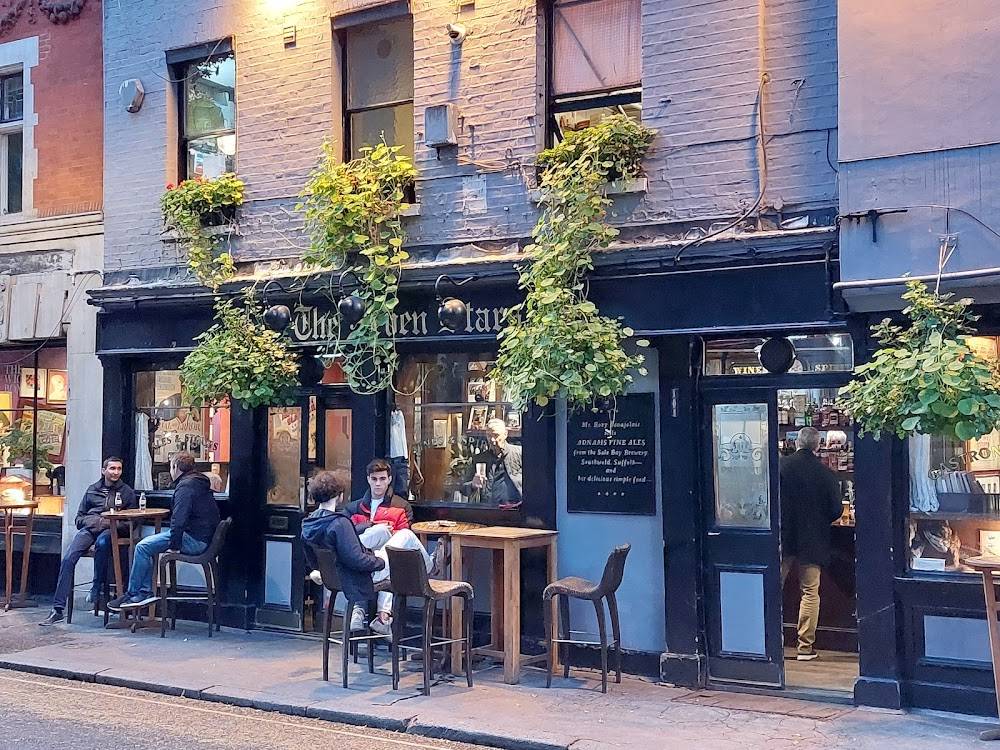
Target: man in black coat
{"type": "Point", "coordinates": [810, 502]}
{"type": "Point", "coordinates": [108, 493]}
{"type": "Point", "coordinates": [194, 515]}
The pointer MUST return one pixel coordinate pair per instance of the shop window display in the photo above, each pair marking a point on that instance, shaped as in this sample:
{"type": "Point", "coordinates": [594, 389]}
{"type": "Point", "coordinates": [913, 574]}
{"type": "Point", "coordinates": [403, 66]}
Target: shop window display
{"type": "Point", "coordinates": [443, 405]}
{"type": "Point", "coordinates": [813, 353]}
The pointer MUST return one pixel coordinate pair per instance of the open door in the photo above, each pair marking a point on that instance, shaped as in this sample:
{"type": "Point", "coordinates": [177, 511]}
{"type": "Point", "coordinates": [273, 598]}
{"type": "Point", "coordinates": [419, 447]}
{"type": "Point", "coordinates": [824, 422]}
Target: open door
{"type": "Point", "coordinates": [741, 544]}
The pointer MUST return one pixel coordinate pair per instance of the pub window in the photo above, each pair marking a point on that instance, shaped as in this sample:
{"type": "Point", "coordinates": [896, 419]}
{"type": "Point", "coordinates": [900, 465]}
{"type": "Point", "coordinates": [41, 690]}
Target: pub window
{"type": "Point", "coordinates": [207, 99]}
{"type": "Point", "coordinates": [378, 84]}
{"type": "Point", "coordinates": [443, 406]}
{"type": "Point", "coordinates": [595, 68]}
{"type": "Point", "coordinates": [166, 423]}
{"type": "Point", "coordinates": [954, 495]}
{"type": "Point", "coordinates": [11, 142]}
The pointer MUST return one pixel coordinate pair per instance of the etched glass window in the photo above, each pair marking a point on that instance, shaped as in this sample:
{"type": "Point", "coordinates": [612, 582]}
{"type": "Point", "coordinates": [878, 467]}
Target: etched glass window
{"type": "Point", "coordinates": [740, 459]}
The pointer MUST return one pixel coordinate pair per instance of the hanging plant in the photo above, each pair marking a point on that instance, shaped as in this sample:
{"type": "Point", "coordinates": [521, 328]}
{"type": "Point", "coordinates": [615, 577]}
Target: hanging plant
{"type": "Point", "coordinates": [352, 211]}
{"type": "Point", "coordinates": [925, 378]}
{"type": "Point", "coordinates": [189, 209]}
{"type": "Point", "coordinates": [240, 358]}
{"type": "Point", "coordinates": [556, 343]}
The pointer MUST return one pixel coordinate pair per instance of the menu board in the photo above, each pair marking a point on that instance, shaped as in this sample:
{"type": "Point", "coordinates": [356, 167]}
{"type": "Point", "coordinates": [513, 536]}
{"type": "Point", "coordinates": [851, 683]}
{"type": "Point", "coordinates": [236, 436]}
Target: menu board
{"type": "Point", "coordinates": [616, 472]}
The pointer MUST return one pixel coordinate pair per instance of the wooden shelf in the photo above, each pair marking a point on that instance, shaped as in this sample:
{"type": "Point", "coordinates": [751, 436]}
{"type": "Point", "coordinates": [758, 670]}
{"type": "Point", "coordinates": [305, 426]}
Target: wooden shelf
{"type": "Point", "coordinates": [956, 516]}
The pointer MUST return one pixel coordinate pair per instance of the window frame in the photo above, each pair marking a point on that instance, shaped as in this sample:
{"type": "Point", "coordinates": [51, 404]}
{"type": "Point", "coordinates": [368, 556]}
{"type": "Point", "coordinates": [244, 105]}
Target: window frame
{"type": "Point", "coordinates": [554, 105]}
{"type": "Point", "coordinates": [7, 129]}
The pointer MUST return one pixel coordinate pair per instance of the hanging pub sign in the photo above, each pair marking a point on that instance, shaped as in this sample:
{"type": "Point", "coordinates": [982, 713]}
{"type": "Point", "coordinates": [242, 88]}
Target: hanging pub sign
{"type": "Point", "coordinates": [613, 473]}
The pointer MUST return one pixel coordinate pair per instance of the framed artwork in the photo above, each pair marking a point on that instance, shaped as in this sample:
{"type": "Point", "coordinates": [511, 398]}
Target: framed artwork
{"type": "Point", "coordinates": [28, 378]}
{"type": "Point", "coordinates": [440, 437]}
{"type": "Point", "coordinates": [513, 420]}
{"type": "Point", "coordinates": [6, 410]}
{"type": "Point", "coordinates": [481, 390]}
{"type": "Point", "coordinates": [477, 418]}
{"type": "Point", "coordinates": [57, 389]}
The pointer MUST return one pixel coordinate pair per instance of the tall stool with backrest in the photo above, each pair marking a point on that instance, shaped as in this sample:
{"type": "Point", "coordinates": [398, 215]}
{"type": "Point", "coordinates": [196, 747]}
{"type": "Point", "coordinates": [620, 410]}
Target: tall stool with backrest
{"type": "Point", "coordinates": [209, 562]}
{"type": "Point", "coordinates": [327, 562]}
{"type": "Point", "coordinates": [581, 588]}
{"type": "Point", "coordinates": [409, 579]}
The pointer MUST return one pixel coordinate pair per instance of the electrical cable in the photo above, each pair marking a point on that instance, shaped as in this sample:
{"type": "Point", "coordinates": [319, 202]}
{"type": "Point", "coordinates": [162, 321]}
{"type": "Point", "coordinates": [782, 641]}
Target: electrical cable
{"type": "Point", "coordinates": [762, 140]}
{"type": "Point", "coordinates": [196, 73]}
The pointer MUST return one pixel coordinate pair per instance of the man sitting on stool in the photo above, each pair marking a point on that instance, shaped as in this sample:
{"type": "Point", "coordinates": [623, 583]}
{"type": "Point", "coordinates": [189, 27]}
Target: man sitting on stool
{"type": "Point", "coordinates": [108, 493]}
{"type": "Point", "coordinates": [194, 516]}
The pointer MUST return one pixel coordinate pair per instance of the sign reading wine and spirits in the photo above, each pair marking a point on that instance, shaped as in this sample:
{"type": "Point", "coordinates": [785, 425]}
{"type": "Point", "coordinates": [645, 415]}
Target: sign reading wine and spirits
{"type": "Point", "coordinates": [613, 471]}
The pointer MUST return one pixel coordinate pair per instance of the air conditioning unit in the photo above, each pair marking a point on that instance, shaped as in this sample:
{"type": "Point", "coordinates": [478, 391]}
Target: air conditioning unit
{"type": "Point", "coordinates": [441, 125]}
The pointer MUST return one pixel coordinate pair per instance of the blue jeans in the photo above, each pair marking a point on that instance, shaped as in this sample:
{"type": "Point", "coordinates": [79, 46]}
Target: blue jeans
{"type": "Point", "coordinates": [140, 582]}
{"type": "Point", "coordinates": [77, 548]}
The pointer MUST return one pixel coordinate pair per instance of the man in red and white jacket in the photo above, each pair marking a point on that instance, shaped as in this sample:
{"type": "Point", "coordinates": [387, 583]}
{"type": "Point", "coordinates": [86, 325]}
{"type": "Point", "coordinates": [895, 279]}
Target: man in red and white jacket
{"type": "Point", "coordinates": [374, 507]}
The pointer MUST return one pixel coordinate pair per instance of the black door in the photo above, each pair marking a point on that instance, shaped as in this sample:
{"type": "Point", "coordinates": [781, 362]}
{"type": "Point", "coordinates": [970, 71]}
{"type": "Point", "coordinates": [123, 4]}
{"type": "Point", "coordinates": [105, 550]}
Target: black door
{"type": "Point", "coordinates": [741, 544]}
{"type": "Point", "coordinates": [312, 435]}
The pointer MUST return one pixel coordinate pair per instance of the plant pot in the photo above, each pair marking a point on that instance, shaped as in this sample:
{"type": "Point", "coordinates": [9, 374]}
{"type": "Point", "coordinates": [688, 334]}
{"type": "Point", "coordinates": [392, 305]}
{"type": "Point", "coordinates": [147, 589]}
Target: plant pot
{"type": "Point", "coordinates": [220, 217]}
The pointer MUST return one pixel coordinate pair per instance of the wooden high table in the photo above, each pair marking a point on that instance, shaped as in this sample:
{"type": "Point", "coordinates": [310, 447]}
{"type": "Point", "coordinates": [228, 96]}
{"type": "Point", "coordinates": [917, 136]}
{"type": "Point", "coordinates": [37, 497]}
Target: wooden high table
{"type": "Point", "coordinates": [506, 543]}
{"type": "Point", "coordinates": [135, 520]}
{"type": "Point", "coordinates": [11, 527]}
{"type": "Point", "coordinates": [990, 568]}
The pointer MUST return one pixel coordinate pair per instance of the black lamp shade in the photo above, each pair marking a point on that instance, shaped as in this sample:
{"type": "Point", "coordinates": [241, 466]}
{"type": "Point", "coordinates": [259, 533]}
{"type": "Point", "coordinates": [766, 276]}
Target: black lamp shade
{"type": "Point", "coordinates": [310, 370]}
{"type": "Point", "coordinates": [453, 314]}
{"type": "Point", "coordinates": [352, 309]}
{"type": "Point", "coordinates": [277, 317]}
{"type": "Point", "coordinates": [777, 355]}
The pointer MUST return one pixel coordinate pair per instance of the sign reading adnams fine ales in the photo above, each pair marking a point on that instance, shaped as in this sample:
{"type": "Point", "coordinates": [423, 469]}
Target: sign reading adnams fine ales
{"type": "Point", "coordinates": [616, 473]}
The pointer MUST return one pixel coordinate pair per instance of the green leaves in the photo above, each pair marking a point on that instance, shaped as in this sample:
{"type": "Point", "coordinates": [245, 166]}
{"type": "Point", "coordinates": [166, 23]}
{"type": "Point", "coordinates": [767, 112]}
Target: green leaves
{"type": "Point", "coordinates": [556, 344]}
{"type": "Point", "coordinates": [925, 378]}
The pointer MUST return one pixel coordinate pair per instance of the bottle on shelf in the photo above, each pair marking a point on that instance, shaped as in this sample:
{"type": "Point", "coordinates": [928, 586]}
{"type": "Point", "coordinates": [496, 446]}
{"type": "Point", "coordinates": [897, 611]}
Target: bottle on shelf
{"type": "Point", "coordinates": [798, 418]}
{"type": "Point", "coordinates": [824, 413]}
{"type": "Point", "coordinates": [810, 414]}
{"type": "Point", "coordinates": [782, 412]}
{"type": "Point", "coordinates": [833, 420]}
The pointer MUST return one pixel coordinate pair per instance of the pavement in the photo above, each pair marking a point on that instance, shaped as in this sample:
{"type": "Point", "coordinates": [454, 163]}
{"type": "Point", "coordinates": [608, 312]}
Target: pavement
{"type": "Point", "coordinates": [282, 673]}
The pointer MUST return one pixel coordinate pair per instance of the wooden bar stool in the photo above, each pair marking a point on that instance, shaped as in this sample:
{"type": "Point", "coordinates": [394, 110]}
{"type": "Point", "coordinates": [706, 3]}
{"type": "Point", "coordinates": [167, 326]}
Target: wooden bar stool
{"type": "Point", "coordinates": [990, 568]}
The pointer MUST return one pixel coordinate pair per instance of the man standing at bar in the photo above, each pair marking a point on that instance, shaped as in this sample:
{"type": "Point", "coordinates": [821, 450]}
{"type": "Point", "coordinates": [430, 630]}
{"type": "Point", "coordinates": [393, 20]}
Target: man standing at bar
{"type": "Point", "coordinates": [497, 471]}
{"type": "Point", "coordinates": [810, 502]}
{"type": "Point", "coordinates": [194, 514]}
{"type": "Point", "coordinates": [108, 493]}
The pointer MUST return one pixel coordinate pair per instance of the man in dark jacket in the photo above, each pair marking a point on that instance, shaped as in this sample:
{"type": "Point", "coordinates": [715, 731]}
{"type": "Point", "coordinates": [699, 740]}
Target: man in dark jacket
{"type": "Point", "coordinates": [194, 515]}
{"type": "Point", "coordinates": [810, 502]}
{"type": "Point", "coordinates": [108, 493]}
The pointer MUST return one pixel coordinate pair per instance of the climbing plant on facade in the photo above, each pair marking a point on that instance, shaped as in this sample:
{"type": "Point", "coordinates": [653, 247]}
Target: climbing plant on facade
{"type": "Point", "coordinates": [352, 212]}
{"type": "Point", "coordinates": [556, 344]}
{"type": "Point", "coordinates": [925, 378]}
{"type": "Point", "coordinates": [190, 209]}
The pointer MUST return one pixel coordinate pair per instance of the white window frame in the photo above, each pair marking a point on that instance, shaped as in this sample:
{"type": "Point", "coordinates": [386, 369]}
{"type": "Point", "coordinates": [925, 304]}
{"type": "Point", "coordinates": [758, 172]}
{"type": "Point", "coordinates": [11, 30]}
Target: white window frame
{"type": "Point", "coordinates": [20, 55]}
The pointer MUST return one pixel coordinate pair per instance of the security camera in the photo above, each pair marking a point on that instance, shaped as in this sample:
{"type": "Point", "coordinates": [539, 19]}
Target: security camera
{"type": "Point", "coordinates": [456, 32]}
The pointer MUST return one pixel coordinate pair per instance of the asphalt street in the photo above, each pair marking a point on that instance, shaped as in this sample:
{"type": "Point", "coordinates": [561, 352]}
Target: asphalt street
{"type": "Point", "coordinates": [44, 712]}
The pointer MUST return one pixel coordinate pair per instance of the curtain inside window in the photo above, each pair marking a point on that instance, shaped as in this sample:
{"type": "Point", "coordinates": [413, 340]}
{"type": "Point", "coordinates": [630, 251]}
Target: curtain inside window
{"type": "Point", "coordinates": [597, 45]}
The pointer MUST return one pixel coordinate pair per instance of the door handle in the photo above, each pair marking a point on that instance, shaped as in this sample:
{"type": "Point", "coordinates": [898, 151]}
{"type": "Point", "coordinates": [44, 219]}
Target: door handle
{"type": "Point", "coordinates": [714, 533]}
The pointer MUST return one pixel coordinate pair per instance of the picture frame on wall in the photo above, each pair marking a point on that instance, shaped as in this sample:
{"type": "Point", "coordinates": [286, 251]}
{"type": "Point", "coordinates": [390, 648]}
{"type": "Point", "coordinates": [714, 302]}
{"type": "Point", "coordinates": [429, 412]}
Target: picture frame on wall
{"type": "Point", "coordinates": [57, 387]}
{"type": "Point", "coordinates": [513, 420]}
{"type": "Point", "coordinates": [6, 410]}
{"type": "Point", "coordinates": [478, 416]}
{"type": "Point", "coordinates": [28, 376]}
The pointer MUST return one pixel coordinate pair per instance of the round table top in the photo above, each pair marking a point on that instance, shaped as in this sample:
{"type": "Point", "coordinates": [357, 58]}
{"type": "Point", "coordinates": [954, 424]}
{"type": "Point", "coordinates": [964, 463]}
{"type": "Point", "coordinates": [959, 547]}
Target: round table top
{"type": "Point", "coordinates": [18, 504]}
{"type": "Point", "coordinates": [135, 513]}
{"type": "Point", "coordinates": [444, 527]}
{"type": "Point", "coordinates": [983, 562]}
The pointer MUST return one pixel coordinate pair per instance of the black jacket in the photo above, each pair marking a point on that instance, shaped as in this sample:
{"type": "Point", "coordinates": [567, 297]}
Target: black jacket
{"type": "Point", "coordinates": [355, 563]}
{"type": "Point", "coordinates": [810, 502]}
{"type": "Point", "coordinates": [98, 498]}
{"type": "Point", "coordinates": [364, 507]}
{"type": "Point", "coordinates": [194, 509]}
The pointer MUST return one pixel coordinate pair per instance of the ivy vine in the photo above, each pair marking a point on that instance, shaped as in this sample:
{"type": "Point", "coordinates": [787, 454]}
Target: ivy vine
{"type": "Point", "coordinates": [556, 343]}
{"type": "Point", "coordinates": [352, 209]}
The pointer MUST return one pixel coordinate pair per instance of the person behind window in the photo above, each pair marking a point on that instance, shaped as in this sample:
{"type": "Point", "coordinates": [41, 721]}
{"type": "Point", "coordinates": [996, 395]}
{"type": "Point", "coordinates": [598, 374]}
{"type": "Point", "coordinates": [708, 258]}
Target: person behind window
{"type": "Point", "coordinates": [496, 472]}
{"type": "Point", "coordinates": [194, 516]}
{"type": "Point", "coordinates": [810, 502]}
{"type": "Point", "coordinates": [214, 481]}
{"type": "Point", "coordinates": [108, 493]}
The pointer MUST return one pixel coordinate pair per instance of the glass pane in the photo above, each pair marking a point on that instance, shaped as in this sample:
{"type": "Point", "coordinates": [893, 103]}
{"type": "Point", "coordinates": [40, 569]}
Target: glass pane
{"type": "Point", "coordinates": [15, 156]}
{"type": "Point", "coordinates": [210, 103]}
{"type": "Point", "coordinates": [822, 352]}
{"type": "Point", "coordinates": [597, 45]}
{"type": "Point", "coordinates": [285, 484]}
{"type": "Point", "coordinates": [209, 157]}
{"type": "Point", "coordinates": [395, 124]}
{"type": "Point", "coordinates": [278, 573]}
{"type": "Point", "coordinates": [956, 639]}
{"type": "Point", "coordinates": [580, 119]}
{"type": "Point", "coordinates": [740, 451]}
{"type": "Point", "coordinates": [13, 98]}
{"type": "Point", "coordinates": [337, 441]}
{"type": "Point", "coordinates": [446, 402]}
{"type": "Point", "coordinates": [380, 63]}
{"type": "Point", "coordinates": [742, 601]}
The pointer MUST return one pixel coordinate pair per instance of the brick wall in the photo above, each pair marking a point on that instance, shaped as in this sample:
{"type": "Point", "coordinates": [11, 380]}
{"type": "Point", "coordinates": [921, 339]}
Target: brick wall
{"type": "Point", "coordinates": [702, 63]}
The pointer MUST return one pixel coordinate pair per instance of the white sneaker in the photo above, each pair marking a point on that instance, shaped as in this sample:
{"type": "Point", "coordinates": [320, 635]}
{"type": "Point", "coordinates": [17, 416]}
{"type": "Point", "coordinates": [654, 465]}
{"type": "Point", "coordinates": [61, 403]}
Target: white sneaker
{"type": "Point", "coordinates": [382, 628]}
{"type": "Point", "coordinates": [357, 619]}
{"type": "Point", "coordinates": [440, 559]}
{"type": "Point", "coordinates": [806, 656]}
{"type": "Point", "coordinates": [316, 578]}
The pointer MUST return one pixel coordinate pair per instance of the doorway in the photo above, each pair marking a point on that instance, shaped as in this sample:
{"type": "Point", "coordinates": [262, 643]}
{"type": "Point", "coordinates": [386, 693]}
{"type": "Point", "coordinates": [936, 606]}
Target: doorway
{"type": "Point", "coordinates": [313, 435]}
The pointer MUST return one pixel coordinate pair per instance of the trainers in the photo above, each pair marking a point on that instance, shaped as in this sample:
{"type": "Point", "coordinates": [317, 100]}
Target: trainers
{"type": "Point", "coordinates": [56, 615]}
{"type": "Point", "coordinates": [115, 605]}
{"type": "Point", "coordinates": [316, 578]}
{"type": "Point", "coordinates": [357, 619]}
{"type": "Point", "coordinates": [440, 558]}
{"type": "Point", "coordinates": [382, 628]}
{"type": "Point", "coordinates": [93, 595]}
{"type": "Point", "coordinates": [806, 656]}
{"type": "Point", "coordinates": [139, 600]}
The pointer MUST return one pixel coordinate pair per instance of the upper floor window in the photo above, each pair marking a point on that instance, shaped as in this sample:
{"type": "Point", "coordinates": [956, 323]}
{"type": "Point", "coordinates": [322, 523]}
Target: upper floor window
{"type": "Point", "coordinates": [596, 65]}
{"type": "Point", "coordinates": [206, 80]}
{"type": "Point", "coordinates": [378, 83]}
{"type": "Point", "coordinates": [11, 142]}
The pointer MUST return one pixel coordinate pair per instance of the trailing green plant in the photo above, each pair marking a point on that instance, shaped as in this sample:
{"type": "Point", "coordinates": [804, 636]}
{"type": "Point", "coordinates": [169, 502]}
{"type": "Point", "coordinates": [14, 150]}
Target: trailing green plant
{"type": "Point", "coordinates": [187, 207]}
{"type": "Point", "coordinates": [19, 440]}
{"type": "Point", "coordinates": [240, 358]}
{"type": "Point", "coordinates": [556, 343]}
{"type": "Point", "coordinates": [925, 378]}
{"type": "Point", "coordinates": [353, 209]}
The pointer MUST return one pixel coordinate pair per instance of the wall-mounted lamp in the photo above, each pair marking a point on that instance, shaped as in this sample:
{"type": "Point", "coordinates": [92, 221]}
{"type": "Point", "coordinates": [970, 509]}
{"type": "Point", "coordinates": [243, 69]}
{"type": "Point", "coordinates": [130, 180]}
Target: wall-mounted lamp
{"type": "Point", "coordinates": [131, 93]}
{"type": "Point", "coordinates": [277, 317]}
{"type": "Point", "coordinates": [352, 308]}
{"type": "Point", "coordinates": [453, 314]}
{"type": "Point", "coordinates": [456, 32]}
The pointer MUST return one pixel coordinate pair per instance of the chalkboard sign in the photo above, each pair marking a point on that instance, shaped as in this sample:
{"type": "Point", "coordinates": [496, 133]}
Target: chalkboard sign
{"type": "Point", "coordinates": [616, 473]}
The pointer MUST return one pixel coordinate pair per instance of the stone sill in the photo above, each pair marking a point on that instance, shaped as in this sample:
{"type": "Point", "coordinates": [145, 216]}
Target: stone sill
{"type": "Point", "coordinates": [413, 209]}
{"type": "Point", "coordinates": [219, 231]}
{"type": "Point", "coordinates": [618, 187]}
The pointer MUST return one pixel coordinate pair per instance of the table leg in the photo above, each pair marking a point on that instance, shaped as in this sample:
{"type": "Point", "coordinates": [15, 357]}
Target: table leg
{"type": "Point", "coordinates": [456, 615]}
{"type": "Point", "coordinates": [8, 538]}
{"type": "Point", "coordinates": [551, 570]}
{"type": "Point", "coordinates": [512, 614]}
{"type": "Point", "coordinates": [990, 591]}
{"type": "Point", "coordinates": [26, 555]}
{"type": "Point", "coordinates": [497, 597]}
